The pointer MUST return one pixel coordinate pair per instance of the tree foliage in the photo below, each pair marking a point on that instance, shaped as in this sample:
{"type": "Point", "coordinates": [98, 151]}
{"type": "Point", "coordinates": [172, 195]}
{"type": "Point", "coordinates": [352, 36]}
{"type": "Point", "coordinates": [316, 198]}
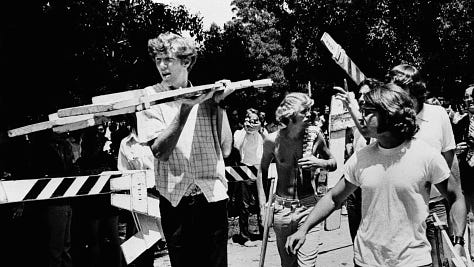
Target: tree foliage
{"type": "Point", "coordinates": [282, 41]}
{"type": "Point", "coordinates": [61, 53]}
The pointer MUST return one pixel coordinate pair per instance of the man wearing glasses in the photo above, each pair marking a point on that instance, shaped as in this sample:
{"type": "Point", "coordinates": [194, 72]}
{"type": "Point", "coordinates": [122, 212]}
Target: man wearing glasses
{"type": "Point", "coordinates": [395, 174]}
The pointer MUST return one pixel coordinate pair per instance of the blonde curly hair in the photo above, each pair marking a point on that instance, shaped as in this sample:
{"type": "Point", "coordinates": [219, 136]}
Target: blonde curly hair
{"type": "Point", "coordinates": [291, 105]}
{"type": "Point", "coordinates": [172, 43]}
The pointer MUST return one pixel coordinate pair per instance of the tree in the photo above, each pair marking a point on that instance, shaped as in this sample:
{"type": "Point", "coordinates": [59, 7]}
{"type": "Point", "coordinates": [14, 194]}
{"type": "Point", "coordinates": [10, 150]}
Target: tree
{"type": "Point", "coordinates": [435, 36]}
{"type": "Point", "coordinates": [61, 53]}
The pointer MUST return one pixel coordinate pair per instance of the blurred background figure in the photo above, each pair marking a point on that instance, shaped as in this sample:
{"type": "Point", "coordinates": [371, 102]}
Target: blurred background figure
{"type": "Point", "coordinates": [97, 221]}
{"type": "Point", "coordinates": [249, 142]}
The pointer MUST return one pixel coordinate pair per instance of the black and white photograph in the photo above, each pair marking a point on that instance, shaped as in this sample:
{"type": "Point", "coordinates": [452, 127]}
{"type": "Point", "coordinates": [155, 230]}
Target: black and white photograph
{"type": "Point", "coordinates": [237, 133]}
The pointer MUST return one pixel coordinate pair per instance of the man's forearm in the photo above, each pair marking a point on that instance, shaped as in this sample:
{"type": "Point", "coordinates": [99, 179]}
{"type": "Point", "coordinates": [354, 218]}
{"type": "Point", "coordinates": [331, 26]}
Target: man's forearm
{"type": "Point", "coordinates": [163, 145]}
{"type": "Point", "coordinates": [458, 216]}
{"type": "Point", "coordinates": [321, 211]}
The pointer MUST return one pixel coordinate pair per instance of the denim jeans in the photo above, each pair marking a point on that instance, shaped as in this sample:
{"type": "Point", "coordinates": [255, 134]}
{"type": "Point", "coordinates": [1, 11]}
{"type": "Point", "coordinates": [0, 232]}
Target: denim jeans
{"type": "Point", "coordinates": [196, 231]}
{"type": "Point", "coordinates": [440, 208]}
{"type": "Point", "coordinates": [287, 220]}
{"type": "Point", "coordinates": [59, 224]}
{"type": "Point", "coordinates": [247, 196]}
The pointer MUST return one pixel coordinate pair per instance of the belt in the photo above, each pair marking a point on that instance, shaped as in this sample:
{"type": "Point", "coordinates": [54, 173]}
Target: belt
{"type": "Point", "coordinates": [295, 203]}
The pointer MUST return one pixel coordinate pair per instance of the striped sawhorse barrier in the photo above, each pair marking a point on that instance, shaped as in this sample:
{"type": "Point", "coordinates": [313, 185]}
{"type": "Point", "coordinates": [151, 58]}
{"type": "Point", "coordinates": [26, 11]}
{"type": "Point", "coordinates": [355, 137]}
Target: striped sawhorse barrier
{"type": "Point", "coordinates": [128, 191]}
{"type": "Point", "coordinates": [114, 182]}
{"type": "Point", "coordinates": [342, 59]}
{"type": "Point", "coordinates": [242, 173]}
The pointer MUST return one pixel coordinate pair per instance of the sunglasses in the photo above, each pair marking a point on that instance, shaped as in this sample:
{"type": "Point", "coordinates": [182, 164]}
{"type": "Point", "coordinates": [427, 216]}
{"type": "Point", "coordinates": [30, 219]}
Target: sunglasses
{"type": "Point", "coordinates": [367, 110]}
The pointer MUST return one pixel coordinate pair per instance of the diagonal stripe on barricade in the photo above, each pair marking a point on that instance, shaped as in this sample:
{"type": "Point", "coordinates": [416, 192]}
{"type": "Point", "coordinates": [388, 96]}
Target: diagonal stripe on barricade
{"type": "Point", "coordinates": [243, 172]}
{"type": "Point", "coordinates": [62, 188]}
{"type": "Point", "coordinates": [100, 184]}
{"type": "Point", "coordinates": [87, 186]}
{"type": "Point", "coordinates": [234, 174]}
{"type": "Point", "coordinates": [75, 186]}
{"type": "Point", "coordinates": [49, 189]}
{"type": "Point", "coordinates": [37, 188]}
{"type": "Point", "coordinates": [342, 59]}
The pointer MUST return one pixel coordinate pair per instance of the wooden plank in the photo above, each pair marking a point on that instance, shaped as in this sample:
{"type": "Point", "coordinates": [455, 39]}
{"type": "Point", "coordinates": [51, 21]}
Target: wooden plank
{"type": "Point", "coordinates": [116, 97]}
{"type": "Point", "coordinates": [60, 125]}
{"type": "Point", "coordinates": [86, 109]}
{"type": "Point", "coordinates": [467, 245]}
{"type": "Point", "coordinates": [41, 126]}
{"type": "Point", "coordinates": [337, 142]}
{"type": "Point", "coordinates": [342, 59]}
{"type": "Point", "coordinates": [148, 235]}
{"type": "Point", "coordinates": [454, 257]}
{"type": "Point", "coordinates": [144, 102]}
{"type": "Point", "coordinates": [149, 206]}
{"type": "Point", "coordinates": [75, 118]}
{"type": "Point", "coordinates": [95, 120]}
{"type": "Point", "coordinates": [267, 222]}
{"type": "Point", "coordinates": [125, 182]}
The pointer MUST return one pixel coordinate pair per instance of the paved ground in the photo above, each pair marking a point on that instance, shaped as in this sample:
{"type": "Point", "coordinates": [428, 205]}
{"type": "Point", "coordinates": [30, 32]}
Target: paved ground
{"type": "Point", "coordinates": [336, 251]}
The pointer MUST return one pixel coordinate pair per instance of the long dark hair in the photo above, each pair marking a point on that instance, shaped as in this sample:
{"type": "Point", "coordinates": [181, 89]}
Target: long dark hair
{"type": "Point", "coordinates": [396, 109]}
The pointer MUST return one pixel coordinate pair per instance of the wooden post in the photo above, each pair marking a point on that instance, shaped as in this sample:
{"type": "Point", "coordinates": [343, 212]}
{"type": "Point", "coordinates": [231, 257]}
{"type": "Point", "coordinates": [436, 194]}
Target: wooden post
{"type": "Point", "coordinates": [267, 222]}
{"type": "Point", "coordinates": [445, 240]}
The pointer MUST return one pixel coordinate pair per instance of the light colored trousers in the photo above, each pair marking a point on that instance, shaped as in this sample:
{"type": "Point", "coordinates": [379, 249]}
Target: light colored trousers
{"type": "Point", "coordinates": [286, 221]}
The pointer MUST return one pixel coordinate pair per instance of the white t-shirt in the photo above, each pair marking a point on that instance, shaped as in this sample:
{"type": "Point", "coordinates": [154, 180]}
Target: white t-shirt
{"type": "Point", "coordinates": [435, 128]}
{"type": "Point", "coordinates": [436, 131]}
{"type": "Point", "coordinates": [250, 146]}
{"type": "Point", "coordinates": [395, 187]}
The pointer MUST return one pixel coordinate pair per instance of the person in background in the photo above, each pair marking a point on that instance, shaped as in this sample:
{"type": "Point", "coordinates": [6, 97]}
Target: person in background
{"type": "Point", "coordinates": [396, 174]}
{"type": "Point", "coordinates": [359, 141]}
{"type": "Point", "coordinates": [249, 142]}
{"type": "Point", "coordinates": [189, 139]}
{"type": "Point", "coordinates": [97, 220]}
{"type": "Point", "coordinates": [133, 155]}
{"type": "Point", "coordinates": [295, 195]}
{"type": "Point", "coordinates": [465, 148]}
{"type": "Point", "coordinates": [262, 116]}
{"type": "Point", "coordinates": [433, 101]}
{"type": "Point", "coordinates": [54, 158]}
{"type": "Point", "coordinates": [435, 129]}
{"type": "Point", "coordinates": [235, 125]}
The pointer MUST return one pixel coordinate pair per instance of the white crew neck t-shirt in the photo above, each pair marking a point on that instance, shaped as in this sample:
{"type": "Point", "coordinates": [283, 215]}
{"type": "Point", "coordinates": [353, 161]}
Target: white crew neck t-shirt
{"type": "Point", "coordinates": [395, 187]}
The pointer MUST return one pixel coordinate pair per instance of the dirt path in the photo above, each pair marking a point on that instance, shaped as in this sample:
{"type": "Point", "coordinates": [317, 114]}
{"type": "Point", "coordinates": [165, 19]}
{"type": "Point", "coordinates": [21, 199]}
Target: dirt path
{"type": "Point", "coordinates": [336, 250]}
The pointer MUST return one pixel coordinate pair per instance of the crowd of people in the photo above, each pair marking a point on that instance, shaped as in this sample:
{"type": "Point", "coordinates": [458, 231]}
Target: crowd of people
{"type": "Point", "coordinates": [409, 159]}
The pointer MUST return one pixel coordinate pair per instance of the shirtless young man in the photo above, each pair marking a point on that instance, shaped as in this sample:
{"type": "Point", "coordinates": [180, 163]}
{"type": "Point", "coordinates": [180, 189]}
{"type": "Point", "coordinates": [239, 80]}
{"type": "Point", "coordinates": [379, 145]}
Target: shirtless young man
{"type": "Point", "coordinates": [295, 195]}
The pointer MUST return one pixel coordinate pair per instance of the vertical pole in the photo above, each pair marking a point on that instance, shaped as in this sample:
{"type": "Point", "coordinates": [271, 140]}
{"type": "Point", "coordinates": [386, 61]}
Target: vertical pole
{"type": "Point", "coordinates": [309, 88]}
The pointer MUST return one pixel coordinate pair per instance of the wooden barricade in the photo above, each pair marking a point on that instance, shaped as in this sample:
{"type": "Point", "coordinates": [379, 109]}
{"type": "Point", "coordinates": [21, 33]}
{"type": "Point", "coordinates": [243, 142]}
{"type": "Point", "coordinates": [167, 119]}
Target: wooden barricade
{"type": "Point", "coordinates": [75, 118]}
{"type": "Point", "coordinates": [446, 254]}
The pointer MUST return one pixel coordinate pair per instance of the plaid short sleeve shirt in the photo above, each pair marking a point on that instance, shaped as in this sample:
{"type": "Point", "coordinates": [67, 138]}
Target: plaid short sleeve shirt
{"type": "Point", "coordinates": [196, 159]}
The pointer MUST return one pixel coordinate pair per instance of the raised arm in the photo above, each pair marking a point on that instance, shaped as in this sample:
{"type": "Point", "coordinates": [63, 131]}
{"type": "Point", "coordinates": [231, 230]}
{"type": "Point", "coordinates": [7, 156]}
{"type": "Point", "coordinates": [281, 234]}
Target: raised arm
{"type": "Point", "coordinates": [164, 144]}
{"type": "Point", "coordinates": [351, 104]}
